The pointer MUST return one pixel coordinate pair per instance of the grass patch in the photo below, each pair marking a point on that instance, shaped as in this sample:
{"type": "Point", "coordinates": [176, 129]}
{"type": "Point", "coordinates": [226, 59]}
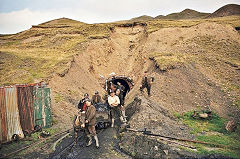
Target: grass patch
{"type": "Point", "coordinates": [13, 146]}
{"type": "Point", "coordinates": [177, 115]}
{"type": "Point", "coordinates": [58, 98]}
{"type": "Point", "coordinates": [213, 131]}
{"type": "Point", "coordinates": [237, 103]}
{"type": "Point", "coordinates": [167, 61]}
{"type": "Point", "coordinates": [52, 131]}
{"type": "Point", "coordinates": [215, 124]}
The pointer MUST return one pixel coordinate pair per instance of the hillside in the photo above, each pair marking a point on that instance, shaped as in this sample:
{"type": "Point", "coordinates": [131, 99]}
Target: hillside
{"type": "Point", "coordinates": [227, 10]}
{"type": "Point", "coordinates": [142, 18]}
{"type": "Point", "coordinates": [185, 14]}
{"type": "Point", "coordinates": [195, 64]}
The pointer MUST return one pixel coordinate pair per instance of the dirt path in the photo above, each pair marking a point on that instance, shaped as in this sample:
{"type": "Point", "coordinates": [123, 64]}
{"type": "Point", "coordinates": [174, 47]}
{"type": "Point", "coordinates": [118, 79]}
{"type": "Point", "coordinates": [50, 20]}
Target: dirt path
{"type": "Point", "coordinates": [109, 148]}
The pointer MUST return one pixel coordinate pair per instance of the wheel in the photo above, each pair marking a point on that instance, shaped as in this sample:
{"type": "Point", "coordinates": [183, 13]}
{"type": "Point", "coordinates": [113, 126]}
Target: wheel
{"type": "Point", "coordinates": [15, 137]}
{"type": "Point", "coordinates": [37, 128]}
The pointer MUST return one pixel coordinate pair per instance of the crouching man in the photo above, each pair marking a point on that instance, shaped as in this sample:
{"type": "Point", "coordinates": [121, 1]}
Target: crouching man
{"type": "Point", "coordinates": [90, 123]}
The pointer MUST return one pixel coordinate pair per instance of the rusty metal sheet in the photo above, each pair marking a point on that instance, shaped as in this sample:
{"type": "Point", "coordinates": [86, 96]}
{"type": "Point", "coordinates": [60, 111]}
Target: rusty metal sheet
{"type": "Point", "coordinates": [12, 113]}
{"type": "Point", "coordinates": [25, 106]}
{"type": "Point", "coordinates": [3, 125]}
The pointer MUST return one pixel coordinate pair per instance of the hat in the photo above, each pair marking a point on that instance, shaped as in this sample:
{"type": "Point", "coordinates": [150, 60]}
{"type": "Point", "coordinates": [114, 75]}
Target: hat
{"type": "Point", "coordinates": [96, 92]}
{"type": "Point", "coordinates": [112, 74]}
{"type": "Point", "coordinates": [111, 91]}
{"type": "Point", "coordinates": [86, 94]}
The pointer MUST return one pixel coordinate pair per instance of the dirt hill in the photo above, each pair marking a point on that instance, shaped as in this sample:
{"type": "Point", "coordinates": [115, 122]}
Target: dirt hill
{"type": "Point", "coordinates": [227, 10]}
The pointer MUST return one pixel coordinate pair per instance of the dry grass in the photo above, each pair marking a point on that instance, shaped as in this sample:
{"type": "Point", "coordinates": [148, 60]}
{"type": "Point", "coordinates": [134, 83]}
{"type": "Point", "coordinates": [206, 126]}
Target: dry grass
{"type": "Point", "coordinates": [167, 61]}
{"type": "Point", "coordinates": [154, 25]}
{"type": "Point", "coordinates": [37, 53]}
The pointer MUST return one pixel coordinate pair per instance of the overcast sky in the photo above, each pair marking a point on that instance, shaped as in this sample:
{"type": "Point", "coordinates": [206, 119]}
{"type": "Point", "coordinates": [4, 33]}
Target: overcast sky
{"type": "Point", "coordinates": [19, 15]}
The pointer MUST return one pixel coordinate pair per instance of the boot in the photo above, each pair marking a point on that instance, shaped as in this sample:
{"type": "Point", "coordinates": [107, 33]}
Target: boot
{"type": "Point", "coordinates": [124, 120]}
{"type": "Point", "coordinates": [124, 114]}
{"type": "Point", "coordinates": [112, 123]}
{"type": "Point", "coordinates": [97, 143]}
{"type": "Point", "coordinates": [89, 141]}
{"type": "Point", "coordinates": [121, 118]}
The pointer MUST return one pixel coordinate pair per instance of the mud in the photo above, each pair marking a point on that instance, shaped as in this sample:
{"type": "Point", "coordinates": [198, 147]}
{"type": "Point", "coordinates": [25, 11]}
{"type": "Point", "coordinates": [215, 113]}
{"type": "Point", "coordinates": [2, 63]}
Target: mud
{"type": "Point", "coordinates": [119, 143]}
{"type": "Point", "coordinates": [109, 148]}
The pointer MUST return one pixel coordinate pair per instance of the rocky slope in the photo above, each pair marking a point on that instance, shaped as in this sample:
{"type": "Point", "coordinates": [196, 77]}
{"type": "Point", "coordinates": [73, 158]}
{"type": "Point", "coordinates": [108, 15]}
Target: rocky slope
{"type": "Point", "coordinates": [227, 10]}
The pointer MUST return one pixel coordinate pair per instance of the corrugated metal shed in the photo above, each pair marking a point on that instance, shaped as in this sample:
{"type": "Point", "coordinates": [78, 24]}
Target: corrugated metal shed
{"type": "Point", "coordinates": [42, 107]}
{"type": "Point", "coordinates": [25, 104]}
{"type": "Point", "coordinates": [3, 123]}
{"type": "Point", "coordinates": [12, 114]}
{"type": "Point", "coordinates": [21, 108]}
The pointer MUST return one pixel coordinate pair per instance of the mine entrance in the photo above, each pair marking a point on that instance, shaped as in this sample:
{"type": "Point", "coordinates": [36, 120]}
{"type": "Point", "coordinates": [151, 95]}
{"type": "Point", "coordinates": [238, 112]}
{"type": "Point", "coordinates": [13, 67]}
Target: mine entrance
{"type": "Point", "coordinates": [125, 81]}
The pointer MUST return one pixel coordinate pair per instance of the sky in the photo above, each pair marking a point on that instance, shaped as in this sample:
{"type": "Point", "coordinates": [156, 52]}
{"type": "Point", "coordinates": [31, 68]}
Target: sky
{"type": "Point", "coordinates": [19, 15]}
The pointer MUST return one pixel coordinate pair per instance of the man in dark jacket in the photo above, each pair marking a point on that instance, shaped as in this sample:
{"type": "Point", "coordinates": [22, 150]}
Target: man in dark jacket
{"type": "Point", "coordinates": [82, 105]}
{"type": "Point", "coordinates": [96, 98]}
{"type": "Point", "coordinates": [121, 106]}
{"type": "Point", "coordinates": [90, 123]}
{"type": "Point", "coordinates": [146, 83]}
{"type": "Point", "coordinates": [120, 87]}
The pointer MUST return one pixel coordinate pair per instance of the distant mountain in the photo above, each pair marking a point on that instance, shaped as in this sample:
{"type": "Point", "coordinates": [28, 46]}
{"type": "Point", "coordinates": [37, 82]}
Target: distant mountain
{"type": "Point", "coordinates": [159, 17]}
{"type": "Point", "coordinates": [227, 10]}
{"type": "Point", "coordinates": [142, 18]}
{"type": "Point", "coordinates": [185, 14]}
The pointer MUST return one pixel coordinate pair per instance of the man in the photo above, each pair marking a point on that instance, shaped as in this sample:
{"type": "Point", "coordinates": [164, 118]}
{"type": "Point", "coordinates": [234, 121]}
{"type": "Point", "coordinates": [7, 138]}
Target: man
{"type": "Point", "coordinates": [82, 105]}
{"type": "Point", "coordinates": [96, 98]}
{"type": "Point", "coordinates": [78, 123]}
{"type": "Point", "coordinates": [121, 106]}
{"type": "Point", "coordinates": [112, 87]}
{"type": "Point", "coordinates": [146, 83]}
{"type": "Point", "coordinates": [90, 123]}
{"type": "Point", "coordinates": [120, 87]}
{"type": "Point", "coordinates": [113, 102]}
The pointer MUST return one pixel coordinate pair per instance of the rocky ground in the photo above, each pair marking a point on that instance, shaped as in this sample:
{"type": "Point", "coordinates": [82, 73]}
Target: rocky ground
{"type": "Point", "coordinates": [122, 142]}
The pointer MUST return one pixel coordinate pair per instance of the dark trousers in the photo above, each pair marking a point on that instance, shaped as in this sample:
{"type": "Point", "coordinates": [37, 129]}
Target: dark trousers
{"type": "Point", "coordinates": [115, 112]}
{"type": "Point", "coordinates": [146, 86]}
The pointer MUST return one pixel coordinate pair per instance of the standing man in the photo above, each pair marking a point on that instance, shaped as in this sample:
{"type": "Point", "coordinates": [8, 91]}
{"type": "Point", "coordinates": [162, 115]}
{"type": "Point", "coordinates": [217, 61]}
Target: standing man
{"type": "Point", "coordinates": [112, 87]}
{"type": "Point", "coordinates": [121, 108]}
{"type": "Point", "coordinates": [82, 104]}
{"type": "Point", "coordinates": [113, 102]}
{"type": "Point", "coordinates": [90, 123]}
{"type": "Point", "coordinates": [146, 83]}
{"type": "Point", "coordinates": [96, 98]}
{"type": "Point", "coordinates": [120, 87]}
